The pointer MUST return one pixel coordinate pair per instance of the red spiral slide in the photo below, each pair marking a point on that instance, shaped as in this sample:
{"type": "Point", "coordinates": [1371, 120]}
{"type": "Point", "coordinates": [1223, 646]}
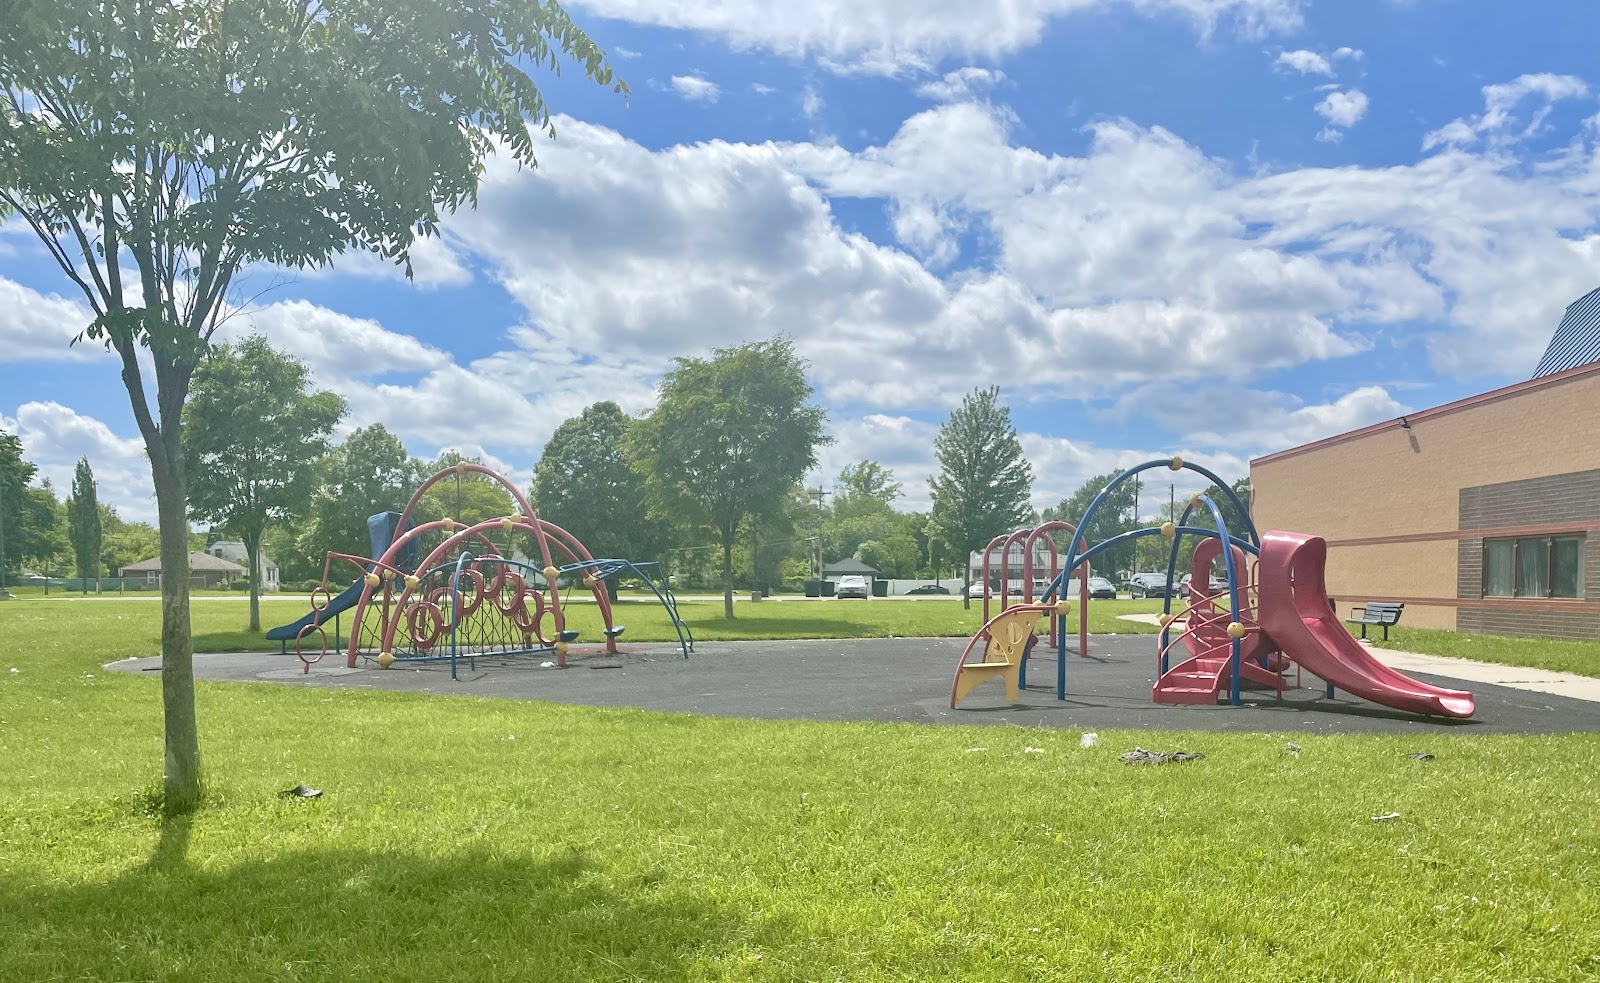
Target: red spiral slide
{"type": "Point", "coordinates": [1294, 611]}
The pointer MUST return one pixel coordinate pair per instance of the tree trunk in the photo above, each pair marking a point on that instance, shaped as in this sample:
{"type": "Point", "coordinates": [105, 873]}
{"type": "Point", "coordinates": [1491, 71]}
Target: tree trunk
{"type": "Point", "coordinates": [966, 591]}
{"type": "Point", "coordinates": [727, 575]}
{"type": "Point", "coordinates": [181, 778]}
{"type": "Point", "coordinates": [252, 557]}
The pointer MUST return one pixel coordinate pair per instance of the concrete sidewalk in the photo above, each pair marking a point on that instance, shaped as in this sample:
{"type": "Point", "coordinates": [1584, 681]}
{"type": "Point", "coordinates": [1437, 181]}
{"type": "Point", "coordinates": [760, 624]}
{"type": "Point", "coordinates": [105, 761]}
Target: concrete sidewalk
{"type": "Point", "coordinates": [1515, 677]}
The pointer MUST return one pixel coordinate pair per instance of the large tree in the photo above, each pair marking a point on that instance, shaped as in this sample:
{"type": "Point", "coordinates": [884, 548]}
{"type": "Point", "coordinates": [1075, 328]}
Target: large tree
{"type": "Point", "coordinates": [84, 527]}
{"type": "Point", "coordinates": [984, 483]}
{"type": "Point", "coordinates": [159, 147]}
{"type": "Point", "coordinates": [729, 438]}
{"type": "Point", "coordinates": [370, 472]}
{"type": "Point", "coordinates": [15, 474]}
{"type": "Point", "coordinates": [256, 431]}
{"type": "Point", "coordinates": [863, 509]}
{"type": "Point", "coordinates": [584, 483]}
{"type": "Point", "coordinates": [1113, 517]}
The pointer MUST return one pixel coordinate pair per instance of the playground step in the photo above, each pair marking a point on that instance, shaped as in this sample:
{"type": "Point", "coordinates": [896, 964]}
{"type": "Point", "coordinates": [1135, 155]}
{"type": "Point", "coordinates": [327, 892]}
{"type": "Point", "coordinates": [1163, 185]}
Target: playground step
{"type": "Point", "coordinates": [1186, 687]}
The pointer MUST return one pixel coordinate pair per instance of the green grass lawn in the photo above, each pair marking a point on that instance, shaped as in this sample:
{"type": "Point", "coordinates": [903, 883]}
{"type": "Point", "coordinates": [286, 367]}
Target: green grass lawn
{"type": "Point", "coordinates": [480, 839]}
{"type": "Point", "coordinates": [220, 627]}
{"type": "Point", "coordinates": [1582, 658]}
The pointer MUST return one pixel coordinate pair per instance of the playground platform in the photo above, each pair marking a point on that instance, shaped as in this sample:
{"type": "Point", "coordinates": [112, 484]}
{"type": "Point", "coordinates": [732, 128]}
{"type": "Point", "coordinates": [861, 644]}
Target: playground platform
{"type": "Point", "coordinates": [903, 680]}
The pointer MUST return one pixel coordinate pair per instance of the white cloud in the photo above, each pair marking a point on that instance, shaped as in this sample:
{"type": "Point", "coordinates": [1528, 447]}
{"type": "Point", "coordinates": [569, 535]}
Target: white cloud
{"type": "Point", "coordinates": [336, 346]}
{"type": "Point", "coordinates": [695, 89]}
{"type": "Point", "coordinates": [810, 103]}
{"type": "Point", "coordinates": [962, 84]}
{"type": "Point", "coordinates": [1348, 53]}
{"type": "Point", "coordinates": [1304, 62]}
{"type": "Point", "coordinates": [1257, 421]}
{"type": "Point", "coordinates": [1500, 104]}
{"type": "Point", "coordinates": [889, 36]}
{"type": "Point", "coordinates": [37, 327]}
{"type": "Point", "coordinates": [761, 89]}
{"type": "Point", "coordinates": [1343, 109]}
{"type": "Point", "coordinates": [622, 52]}
{"type": "Point", "coordinates": [642, 254]}
{"type": "Point", "coordinates": [434, 263]}
{"type": "Point", "coordinates": [54, 437]}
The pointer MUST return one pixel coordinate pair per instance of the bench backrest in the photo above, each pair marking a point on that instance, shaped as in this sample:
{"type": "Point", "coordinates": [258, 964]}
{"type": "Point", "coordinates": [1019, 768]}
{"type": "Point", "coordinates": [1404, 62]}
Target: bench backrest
{"type": "Point", "coordinates": [1385, 610]}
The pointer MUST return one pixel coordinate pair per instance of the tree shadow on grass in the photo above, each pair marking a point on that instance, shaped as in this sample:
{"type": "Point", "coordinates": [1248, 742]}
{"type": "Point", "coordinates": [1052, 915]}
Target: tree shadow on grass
{"type": "Point", "coordinates": [353, 914]}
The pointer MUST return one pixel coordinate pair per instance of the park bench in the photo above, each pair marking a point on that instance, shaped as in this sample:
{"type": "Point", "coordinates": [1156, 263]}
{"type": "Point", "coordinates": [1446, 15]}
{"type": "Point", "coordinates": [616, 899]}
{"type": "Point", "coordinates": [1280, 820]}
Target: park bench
{"type": "Point", "coordinates": [1381, 613]}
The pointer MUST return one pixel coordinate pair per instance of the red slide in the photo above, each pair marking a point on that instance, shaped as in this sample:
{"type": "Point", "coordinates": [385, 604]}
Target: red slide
{"type": "Point", "coordinates": [1294, 612]}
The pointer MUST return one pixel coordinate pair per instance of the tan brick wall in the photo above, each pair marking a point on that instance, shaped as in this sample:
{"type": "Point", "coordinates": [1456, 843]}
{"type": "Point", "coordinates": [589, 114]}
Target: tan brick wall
{"type": "Point", "coordinates": [1394, 482]}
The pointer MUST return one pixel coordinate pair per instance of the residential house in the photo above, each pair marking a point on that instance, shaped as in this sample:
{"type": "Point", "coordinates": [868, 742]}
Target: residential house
{"type": "Point", "coordinates": [233, 551]}
{"type": "Point", "coordinates": [205, 570]}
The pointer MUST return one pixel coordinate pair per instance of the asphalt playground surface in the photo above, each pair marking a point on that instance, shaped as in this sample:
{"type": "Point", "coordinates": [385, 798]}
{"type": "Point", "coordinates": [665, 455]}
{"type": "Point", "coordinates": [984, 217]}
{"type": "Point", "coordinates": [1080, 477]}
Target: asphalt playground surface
{"type": "Point", "coordinates": [901, 680]}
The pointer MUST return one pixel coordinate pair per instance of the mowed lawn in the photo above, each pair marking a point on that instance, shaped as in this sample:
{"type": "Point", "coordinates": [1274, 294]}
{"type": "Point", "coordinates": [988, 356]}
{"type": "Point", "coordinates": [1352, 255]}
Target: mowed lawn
{"type": "Point", "coordinates": [478, 839]}
{"type": "Point", "coordinates": [219, 625]}
{"type": "Point", "coordinates": [1580, 657]}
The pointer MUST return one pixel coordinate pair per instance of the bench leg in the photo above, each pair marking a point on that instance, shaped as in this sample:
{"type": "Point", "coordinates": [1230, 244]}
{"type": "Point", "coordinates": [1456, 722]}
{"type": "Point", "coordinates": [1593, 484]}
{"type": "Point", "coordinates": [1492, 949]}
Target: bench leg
{"type": "Point", "coordinates": [1363, 631]}
{"type": "Point", "coordinates": [1386, 633]}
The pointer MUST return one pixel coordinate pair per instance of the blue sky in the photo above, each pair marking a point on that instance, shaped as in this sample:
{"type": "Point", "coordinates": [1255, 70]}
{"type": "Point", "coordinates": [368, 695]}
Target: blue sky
{"type": "Point", "coordinates": [1214, 227]}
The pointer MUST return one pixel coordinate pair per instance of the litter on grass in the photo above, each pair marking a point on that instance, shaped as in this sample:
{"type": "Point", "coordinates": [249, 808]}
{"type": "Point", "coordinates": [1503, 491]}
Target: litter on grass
{"type": "Point", "coordinates": [1421, 756]}
{"type": "Point", "coordinates": [1141, 756]}
{"type": "Point", "coordinates": [1386, 817]}
{"type": "Point", "coordinates": [1292, 748]}
{"type": "Point", "coordinates": [300, 792]}
{"type": "Point", "coordinates": [1089, 740]}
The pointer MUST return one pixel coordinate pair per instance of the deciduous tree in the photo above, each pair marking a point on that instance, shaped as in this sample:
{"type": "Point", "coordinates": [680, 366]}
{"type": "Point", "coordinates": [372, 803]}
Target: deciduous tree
{"type": "Point", "coordinates": [256, 431]}
{"type": "Point", "coordinates": [729, 438]}
{"type": "Point", "coordinates": [984, 483]}
{"type": "Point", "coordinates": [1113, 517]}
{"type": "Point", "coordinates": [370, 472]}
{"type": "Point", "coordinates": [585, 484]}
{"type": "Point", "coordinates": [159, 147]}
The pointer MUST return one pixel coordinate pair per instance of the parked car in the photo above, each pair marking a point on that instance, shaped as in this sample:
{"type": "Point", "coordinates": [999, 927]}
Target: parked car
{"type": "Point", "coordinates": [1183, 585]}
{"type": "Point", "coordinates": [1143, 585]}
{"type": "Point", "coordinates": [975, 589]}
{"type": "Point", "coordinates": [851, 585]}
{"type": "Point", "coordinates": [929, 589]}
{"type": "Point", "coordinates": [1102, 589]}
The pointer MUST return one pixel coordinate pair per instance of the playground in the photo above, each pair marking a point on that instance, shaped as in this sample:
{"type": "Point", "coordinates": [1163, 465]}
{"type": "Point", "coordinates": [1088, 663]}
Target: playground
{"type": "Point", "coordinates": [906, 680]}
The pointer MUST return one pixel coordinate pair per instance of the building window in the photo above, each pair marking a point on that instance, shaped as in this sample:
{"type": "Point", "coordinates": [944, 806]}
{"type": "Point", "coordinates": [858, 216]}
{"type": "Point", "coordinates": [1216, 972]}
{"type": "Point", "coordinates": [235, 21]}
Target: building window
{"type": "Point", "coordinates": [1533, 566]}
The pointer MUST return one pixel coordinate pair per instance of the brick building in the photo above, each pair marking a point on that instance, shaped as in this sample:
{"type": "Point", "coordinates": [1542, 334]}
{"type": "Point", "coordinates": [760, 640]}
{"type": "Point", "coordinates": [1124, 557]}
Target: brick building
{"type": "Point", "coordinates": [1481, 515]}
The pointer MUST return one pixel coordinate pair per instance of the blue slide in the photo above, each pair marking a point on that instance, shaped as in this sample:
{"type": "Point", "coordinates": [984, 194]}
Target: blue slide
{"type": "Point", "coordinates": [347, 599]}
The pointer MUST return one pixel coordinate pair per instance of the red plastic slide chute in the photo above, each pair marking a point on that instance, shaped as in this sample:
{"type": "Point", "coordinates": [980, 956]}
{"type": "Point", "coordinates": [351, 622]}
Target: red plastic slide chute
{"type": "Point", "coordinates": [1294, 611]}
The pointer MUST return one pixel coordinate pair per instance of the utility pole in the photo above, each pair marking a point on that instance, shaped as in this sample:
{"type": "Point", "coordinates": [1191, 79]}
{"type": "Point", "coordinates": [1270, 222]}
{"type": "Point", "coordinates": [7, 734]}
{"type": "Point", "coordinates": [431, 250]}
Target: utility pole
{"type": "Point", "coordinates": [1172, 501]}
{"type": "Point", "coordinates": [816, 544]}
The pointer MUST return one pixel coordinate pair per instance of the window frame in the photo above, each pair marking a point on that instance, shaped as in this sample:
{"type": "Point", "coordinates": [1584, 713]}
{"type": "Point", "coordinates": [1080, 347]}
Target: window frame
{"type": "Point", "coordinates": [1549, 541]}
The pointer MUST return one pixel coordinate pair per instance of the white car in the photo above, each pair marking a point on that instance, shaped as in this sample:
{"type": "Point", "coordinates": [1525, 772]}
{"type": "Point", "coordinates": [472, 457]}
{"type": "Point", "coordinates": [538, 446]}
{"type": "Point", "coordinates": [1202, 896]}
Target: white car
{"type": "Point", "coordinates": [851, 585]}
{"type": "Point", "coordinates": [975, 589]}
